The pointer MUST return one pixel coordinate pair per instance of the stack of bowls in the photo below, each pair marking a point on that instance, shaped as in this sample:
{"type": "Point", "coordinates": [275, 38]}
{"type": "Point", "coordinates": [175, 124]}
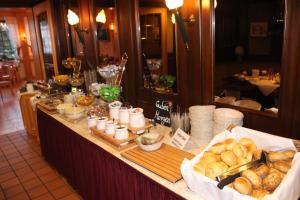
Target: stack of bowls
{"type": "Point", "coordinates": [223, 117]}
{"type": "Point", "coordinates": [201, 120]}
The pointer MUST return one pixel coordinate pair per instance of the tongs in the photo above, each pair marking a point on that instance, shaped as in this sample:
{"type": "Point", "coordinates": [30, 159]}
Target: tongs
{"type": "Point", "coordinates": [229, 176]}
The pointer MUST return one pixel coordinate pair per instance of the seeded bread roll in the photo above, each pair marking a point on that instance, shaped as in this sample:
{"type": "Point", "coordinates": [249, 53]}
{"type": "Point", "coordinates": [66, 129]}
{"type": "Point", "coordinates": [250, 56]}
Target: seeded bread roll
{"type": "Point", "coordinates": [282, 166]}
{"type": "Point", "coordinates": [215, 169]}
{"type": "Point", "coordinates": [229, 158]}
{"type": "Point", "coordinates": [242, 185]}
{"type": "Point", "coordinates": [229, 143]}
{"type": "Point", "coordinates": [272, 181]}
{"type": "Point", "coordinates": [259, 194]}
{"type": "Point", "coordinates": [218, 148]}
{"type": "Point", "coordinates": [254, 179]}
{"type": "Point", "coordinates": [240, 150]}
{"type": "Point", "coordinates": [262, 171]}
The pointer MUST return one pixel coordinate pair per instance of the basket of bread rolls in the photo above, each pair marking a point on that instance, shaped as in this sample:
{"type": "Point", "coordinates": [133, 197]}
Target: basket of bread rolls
{"type": "Point", "coordinates": [275, 178]}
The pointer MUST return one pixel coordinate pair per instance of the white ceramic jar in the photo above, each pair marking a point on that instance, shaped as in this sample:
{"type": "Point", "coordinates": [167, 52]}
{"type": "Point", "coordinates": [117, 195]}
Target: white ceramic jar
{"type": "Point", "coordinates": [124, 115]}
{"type": "Point", "coordinates": [91, 122]}
{"type": "Point", "coordinates": [121, 132]}
{"type": "Point", "coordinates": [136, 118]}
{"type": "Point", "coordinates": [110, 128]}
{"type": "Point", "coordinates": [101, 122]}
{"type": "Point", "coordinates": [114, 108]}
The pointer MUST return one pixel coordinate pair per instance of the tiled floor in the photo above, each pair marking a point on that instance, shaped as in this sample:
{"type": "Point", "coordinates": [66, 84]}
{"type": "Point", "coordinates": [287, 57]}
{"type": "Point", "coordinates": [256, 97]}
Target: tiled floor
{"type": "Point", "coordinates": [24, 174]}
{"type": "Point", "coordinates": [10, 114]}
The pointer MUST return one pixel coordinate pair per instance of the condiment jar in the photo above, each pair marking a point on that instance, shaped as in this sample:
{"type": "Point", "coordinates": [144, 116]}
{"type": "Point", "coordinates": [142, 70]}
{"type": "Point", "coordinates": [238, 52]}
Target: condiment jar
{"type": "Point", "coordinates": [121, 132]}
{"type": "Point", "coordinates": [91, 122]}
{"type": "Point", "coordinates": [124, 115]}
{"type": "Point", "coordinates": [114, 108]}
{"type": "Point", "coordinates": [136, 118]}
{"type": "Point", "coordinates": [110, 128]}
{"type": "Point", "coordinates": [101, 122]}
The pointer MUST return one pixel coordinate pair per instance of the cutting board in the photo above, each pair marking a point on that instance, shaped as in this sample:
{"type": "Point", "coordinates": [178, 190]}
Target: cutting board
{"type": "Point", "coordinates": [119, 144]}
{"type": "Point", "coordinates": [164, 162]}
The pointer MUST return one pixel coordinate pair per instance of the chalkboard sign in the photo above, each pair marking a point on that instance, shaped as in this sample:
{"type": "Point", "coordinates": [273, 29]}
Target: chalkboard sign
{"type": "Point", "coordinates": [162, 112]}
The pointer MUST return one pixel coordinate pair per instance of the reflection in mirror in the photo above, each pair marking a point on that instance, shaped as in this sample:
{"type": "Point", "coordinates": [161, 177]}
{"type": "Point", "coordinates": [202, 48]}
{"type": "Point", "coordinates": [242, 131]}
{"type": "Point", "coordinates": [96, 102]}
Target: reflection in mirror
{"type": "Point", "coordinates": [248, 50]}
{"type": "Point", "coordinates": [107, 32]}
{"type": "Point", "coordinates": [158, 46]}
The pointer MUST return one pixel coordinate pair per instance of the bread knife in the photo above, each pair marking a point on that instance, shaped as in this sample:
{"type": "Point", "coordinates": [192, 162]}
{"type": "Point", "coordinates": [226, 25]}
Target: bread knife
{"type": "Point", "coordinates": [229, 176]}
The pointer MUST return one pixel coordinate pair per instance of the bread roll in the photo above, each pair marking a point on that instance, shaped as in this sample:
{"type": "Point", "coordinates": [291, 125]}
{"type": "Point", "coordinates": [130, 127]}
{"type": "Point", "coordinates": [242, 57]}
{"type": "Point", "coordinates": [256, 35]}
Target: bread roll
{"type": "Point", "coordinates": [246, 141]}
{"type": "Point", "coordinates": [259, 194]}
{"type": "Point", "coordinates": [208, 153]}
{"type": "Point", "coordinates": [240, 150]}
{"type": "Point", "coordinates": [282, 166]}
{"type": "Point", "coordinates": [251, 147]}
{"type": "Point", "coordinates": [242, 185]}
{"type": "Point", "coordinates": [262, 171]}
{"type": "Point", "coordinates": [229, 143]}
{"type": "Point", "coordinates": [275, 156]}
{"type": "Point", "coordinates": [254, 179]}
{"type": "Point", "coordinates": [249, 156]}
{"type": "Point", "coordinates": [229, 158]}
{"type": "Point", "coordinates": [215, 169]}
{"type": "Point", "coordinates": [208, 159]}
{"type": "Point", "coordinates": [273, 170]}
{"type": "Point", "coordinates": [218, 148]}
{"type": "Point", "coordinates": [290, 154]}
{"type": "Point", "coordinates": [271, 182]}
{"type": "Point", "coordinates": [200, 167]}
{"type": "Point", "coordinates": [242, 161]}
{"type": "Point", "coordinates": [257, 154]}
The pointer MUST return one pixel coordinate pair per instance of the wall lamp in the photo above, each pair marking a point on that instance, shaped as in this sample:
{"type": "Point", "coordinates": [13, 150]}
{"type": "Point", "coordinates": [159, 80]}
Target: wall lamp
{"type": "Point", "coordinates": [174, 5]}
{"type": "Point", "coordinates": [73, 20]}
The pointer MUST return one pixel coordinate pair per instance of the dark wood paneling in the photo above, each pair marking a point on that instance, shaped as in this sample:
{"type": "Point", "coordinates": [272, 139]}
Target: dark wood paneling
{"type": "Point", "coordinates": [19, 3]}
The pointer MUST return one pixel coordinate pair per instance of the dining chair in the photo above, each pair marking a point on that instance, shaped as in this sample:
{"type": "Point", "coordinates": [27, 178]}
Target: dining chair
{"type": "Point", "coordinates": [4, 83]}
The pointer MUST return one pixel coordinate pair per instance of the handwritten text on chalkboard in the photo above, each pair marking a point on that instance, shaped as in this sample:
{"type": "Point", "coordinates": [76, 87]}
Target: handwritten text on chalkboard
{"type": "Point", "coordinates": [162, 112]}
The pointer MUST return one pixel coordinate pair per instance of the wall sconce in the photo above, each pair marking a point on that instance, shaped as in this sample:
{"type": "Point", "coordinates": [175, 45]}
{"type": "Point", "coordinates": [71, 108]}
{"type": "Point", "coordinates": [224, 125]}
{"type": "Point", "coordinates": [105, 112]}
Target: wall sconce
{"type": "Point", "coordinates": [175, 5]}
{"type": "Point", "coordinates": [173, 18]}
{"type": "Point", "coordinates": [215, 4]}
{"type": "Point", "coordinates": [111, 26]}
{"type": "Point", "coordinates": [23, 37]}
{"type": "Point", "coordinates": [101, 17]}
{"type": "Point", "coordinates": [73, 20]}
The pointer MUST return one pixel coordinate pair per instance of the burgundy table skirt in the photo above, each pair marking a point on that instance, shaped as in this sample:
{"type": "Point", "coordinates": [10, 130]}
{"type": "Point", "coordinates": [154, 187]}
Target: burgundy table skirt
{"type": "Point", "coordinates": [92, 171]}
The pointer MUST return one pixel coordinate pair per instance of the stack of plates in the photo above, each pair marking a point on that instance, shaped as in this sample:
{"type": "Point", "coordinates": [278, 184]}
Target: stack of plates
{"type": "Point", "coordinates": [223, 117]}
{"type": "Point", "coordinates": [201, 120]}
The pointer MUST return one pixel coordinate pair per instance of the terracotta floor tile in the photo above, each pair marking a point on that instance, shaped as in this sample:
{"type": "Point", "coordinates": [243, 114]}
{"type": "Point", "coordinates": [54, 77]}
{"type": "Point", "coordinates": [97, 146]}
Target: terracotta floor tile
{"type": "Point", "coordinates": [4, 164]}
{"type": "Point", "coordinates": [57, 183]}
{"type": "Point", "coordinates": [30, 155]}
{"type": "Point", "coordinates": [44, 171]}
{"type": "Point", "coordinates": [21, 196]}
{"type": "Point", "coordinates": [46, 196]}
{"type": "Point", "coordinates": [23, 170]}
{"type": "Point", "coordinates": [15, 160]}
{"type": "Point", "coordinates": [28, 185]}
{"type": "Point", "coordinates": [33, 160]}
{"type": "Point", "coordinates": [13, 155]}
{"type": "Point", "coordinates": [20, 165]}
{"type": "Point", "coordinates": [49, 177]}
{"type": "Point", "coordinates": [13, 191]}
{"type": "Point", "coordinates": [61, 192]}
{"type": "Point", "coordinates": [7, 176]}
{"type": "Point", "coordinates": [26, 177]}
{"type": "Point", "coordinates": [10, 183]}
{"type": "Point", "coordinates": [37, 191]}
{"type": "Point", "coordinates": [71, 197]}
{"type": "Point", "coordinates": [5, 170]}
{"type": "Point", "coordinates": [39, 165]}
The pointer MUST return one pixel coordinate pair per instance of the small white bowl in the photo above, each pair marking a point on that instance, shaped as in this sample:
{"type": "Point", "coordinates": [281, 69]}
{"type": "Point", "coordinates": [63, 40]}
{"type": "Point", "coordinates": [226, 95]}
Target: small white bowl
{"type": "Point", "coordinates": [61, 107]}
{"type": "Point", "coordinates": [150, 147]}
{"type": "Point", "coordinates": [74, 112]}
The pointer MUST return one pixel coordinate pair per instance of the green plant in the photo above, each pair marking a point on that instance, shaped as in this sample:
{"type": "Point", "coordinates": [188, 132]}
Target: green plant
{"type": "Point", "coordinates": [110, 93]}
{"type": "Point", "coordinates": [167, 81]}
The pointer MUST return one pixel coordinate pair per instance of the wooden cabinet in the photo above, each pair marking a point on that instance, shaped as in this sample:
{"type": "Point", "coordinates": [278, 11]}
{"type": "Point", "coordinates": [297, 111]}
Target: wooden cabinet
{"type": "Point", "coordinates": [28, 114]}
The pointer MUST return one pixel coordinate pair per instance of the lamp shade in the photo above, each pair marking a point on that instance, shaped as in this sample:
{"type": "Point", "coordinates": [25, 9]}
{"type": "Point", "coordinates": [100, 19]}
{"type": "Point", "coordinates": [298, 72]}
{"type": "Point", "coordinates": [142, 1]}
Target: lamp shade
{"type": "Point", "coordinates": [173, 4]}
{"type": "Point", "coordinates": [173, 18]}
{"type": "Point", "coordinates": [101, 17]}
{"type": "Point", "coordinates": [73, 19]}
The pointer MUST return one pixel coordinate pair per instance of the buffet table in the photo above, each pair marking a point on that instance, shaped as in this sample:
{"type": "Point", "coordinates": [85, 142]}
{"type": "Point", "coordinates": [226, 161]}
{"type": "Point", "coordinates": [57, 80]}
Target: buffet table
{"type": "Point", "coordinates": [97, 170]}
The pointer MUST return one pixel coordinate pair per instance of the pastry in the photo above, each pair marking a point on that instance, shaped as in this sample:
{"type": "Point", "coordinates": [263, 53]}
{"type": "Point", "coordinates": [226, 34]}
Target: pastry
{"type": "Point", "coordinates": [290, 154]}
{"type": "Point", "coordinates": [251, 147]}
{"type": "Point", "coordinates": [249, 156]}
{"type": "Point", "coordinates": [242, 161]}
{"type": "Point", "coordinates": [229, 158]}
{"type": "Point", "coordinates": [271, 182]}
{"type": "Point", "coordinates": [259, 194]}
{"type": "Point", "coordinates": [215, 169]}
{"type": "Point", "coordinates": [218, 148]}
{"type": "Point", "coordinates": [242, 185]}
{"type": "Point", "coordinates": [229, 143]}
{"type": "Point", "coordinates": [246, 141]}
{"type": "Point", "coordinates": [273, 170]}
{"type": "Point", "coordinates": [254, 179]}
{"type": "Point", "coordinates": [262, 171]}
{"type": "Point", "coordinates": [208, 159]}
{"type": "Point", "coordinates": [240, 150]}
{"type": "Point", "coordinates": [257, 154]}
{"type": "Point", "coordinates": [282, 166]}
{"type": "Point", "coordinates": [208, 153]}
{"type": "Point", "coordinates": [275, 156]}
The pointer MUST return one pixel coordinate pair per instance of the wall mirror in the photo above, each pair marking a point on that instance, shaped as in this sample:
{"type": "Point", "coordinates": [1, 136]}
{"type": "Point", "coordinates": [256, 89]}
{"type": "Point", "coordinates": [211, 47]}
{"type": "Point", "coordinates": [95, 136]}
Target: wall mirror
{"type": "Point", "coordinates": [248, 51]}
{"type": "Point", "coordinates": [158, 46]}
{"type": "Point", "coordinates": [107, 32]}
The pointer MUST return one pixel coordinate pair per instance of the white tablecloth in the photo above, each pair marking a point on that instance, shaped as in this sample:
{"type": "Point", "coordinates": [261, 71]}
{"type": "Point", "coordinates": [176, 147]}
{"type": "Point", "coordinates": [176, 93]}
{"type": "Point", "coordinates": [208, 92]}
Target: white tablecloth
{"type": "Point", "coordinates": [265, 86]}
